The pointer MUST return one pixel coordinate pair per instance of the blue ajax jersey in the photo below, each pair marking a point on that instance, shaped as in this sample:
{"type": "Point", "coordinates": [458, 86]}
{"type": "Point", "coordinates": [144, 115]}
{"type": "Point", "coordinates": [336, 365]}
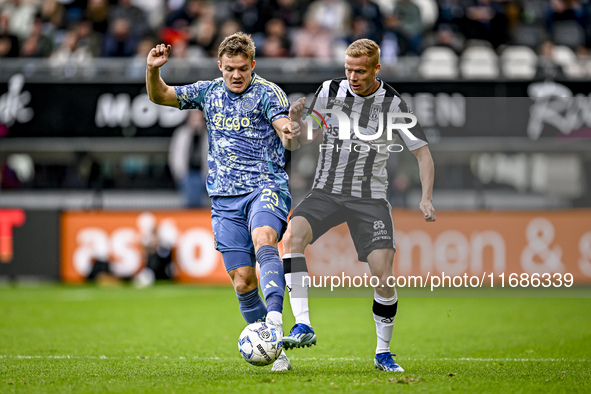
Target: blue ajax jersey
{"type": "Point", "coordinates": [245, 153]}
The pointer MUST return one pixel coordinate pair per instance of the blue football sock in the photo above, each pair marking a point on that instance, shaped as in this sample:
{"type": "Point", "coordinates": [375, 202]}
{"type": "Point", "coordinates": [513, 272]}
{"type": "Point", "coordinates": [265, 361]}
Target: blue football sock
{"type": "Point", "coordinates": [272, 279]}
{"type": "Point", "coordinates": [252, 307]}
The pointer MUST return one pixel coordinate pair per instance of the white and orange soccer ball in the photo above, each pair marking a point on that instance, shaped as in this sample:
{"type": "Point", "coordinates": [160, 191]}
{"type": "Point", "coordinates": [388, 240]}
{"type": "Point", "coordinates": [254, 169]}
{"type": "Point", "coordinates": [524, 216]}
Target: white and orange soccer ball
{"type": "Point", "coordinates": [260, 344]}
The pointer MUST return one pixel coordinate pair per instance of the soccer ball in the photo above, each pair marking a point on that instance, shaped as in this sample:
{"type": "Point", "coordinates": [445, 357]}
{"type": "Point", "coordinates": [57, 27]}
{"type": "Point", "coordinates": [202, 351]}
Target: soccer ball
{"type": "Point", "coordinates": [260, 344]}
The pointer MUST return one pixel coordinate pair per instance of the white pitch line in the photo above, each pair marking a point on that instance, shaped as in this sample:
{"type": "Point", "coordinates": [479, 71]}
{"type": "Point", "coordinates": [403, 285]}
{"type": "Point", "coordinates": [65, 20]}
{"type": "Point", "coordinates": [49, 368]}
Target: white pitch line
{"type": "Point", "coordinates": [103, 357]}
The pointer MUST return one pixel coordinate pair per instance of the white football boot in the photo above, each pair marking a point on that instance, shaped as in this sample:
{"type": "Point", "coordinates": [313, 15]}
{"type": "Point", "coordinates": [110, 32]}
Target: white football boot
{"type": "Point", "coordinates": [282, 363]}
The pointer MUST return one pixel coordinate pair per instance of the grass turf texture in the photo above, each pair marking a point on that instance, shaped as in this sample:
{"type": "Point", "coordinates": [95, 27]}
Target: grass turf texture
{"type": "Point", "coordinates": [184, 339]}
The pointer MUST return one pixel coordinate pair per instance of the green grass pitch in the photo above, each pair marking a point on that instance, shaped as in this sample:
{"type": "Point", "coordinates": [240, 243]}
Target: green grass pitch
{"type": "Point", "coordinates": [183, 339]}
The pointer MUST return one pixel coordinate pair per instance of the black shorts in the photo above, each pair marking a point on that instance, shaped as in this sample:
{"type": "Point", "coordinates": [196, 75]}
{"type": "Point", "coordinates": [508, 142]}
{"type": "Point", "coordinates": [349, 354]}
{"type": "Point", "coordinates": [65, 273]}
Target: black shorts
{"type": "Point", "coordinates": [369, 219]}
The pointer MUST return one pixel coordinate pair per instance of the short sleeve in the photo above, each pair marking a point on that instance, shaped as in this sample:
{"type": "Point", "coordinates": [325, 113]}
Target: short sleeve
{"type": "Point", "coordinates": [319, 101]}
{"type": "Point", "coordinates": [277, 104]}
{"type": "Point", "coordinates": [321, 93]}
{"type": "Point", "coordinates": [417, 131]}
{"type": "Point", "coordinates": [193, 95]}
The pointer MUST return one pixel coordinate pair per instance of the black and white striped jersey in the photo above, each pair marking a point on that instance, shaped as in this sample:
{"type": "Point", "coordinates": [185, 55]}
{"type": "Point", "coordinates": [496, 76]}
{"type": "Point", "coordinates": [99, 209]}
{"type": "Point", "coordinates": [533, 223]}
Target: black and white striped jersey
{"type": "Point", "coordinates": [355, 167]}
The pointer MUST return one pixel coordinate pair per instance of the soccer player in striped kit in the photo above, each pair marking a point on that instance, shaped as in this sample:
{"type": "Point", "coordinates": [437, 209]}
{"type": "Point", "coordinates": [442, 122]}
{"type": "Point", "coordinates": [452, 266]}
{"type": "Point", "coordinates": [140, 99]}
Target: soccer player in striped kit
{"type": "Point", "coordinates": [248, 129]}
{"type": "Point", "coordinates": [350, 187]}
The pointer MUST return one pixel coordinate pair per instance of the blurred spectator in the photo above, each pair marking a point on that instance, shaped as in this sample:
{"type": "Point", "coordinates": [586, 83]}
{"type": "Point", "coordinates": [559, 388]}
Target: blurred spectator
{"type": "Point", "coordinates": [409, 23]}
{"type": "Point", "coordinates": [451, 13]}
{"type": "Point", "coordinates": [274, 47]}
{"type": "Point", "coordinates": [204, 34]}
{"type": "Point", "coordinates": [144, 47]}
{"type": "Point", "coordinates": [291, 12]}
{"type": "Point", "coordinates": [370, 12]}
{"type": "Point", "coordinates": [159, 242]}
{"type": "Point", "coordinates": [178, 22]}
{"type": "Point", "coordinates": [185, 15]}
{"type": "Point", "coordinates": [9, 46]}
{"type": "Point", "coordinates": [52, 14]}
{"type": "Point", "coordinates": [547, 67]}
{"type": "Point", "coordinates": [512, 11]}
{"type": "Point", "coordinates": [276, 42]}
{"type": "Point", "coordinates": [120, 40]}
{"type": "Point", "coordinates": [251, 15]}
{"type": "Point", "coordinates": [174, 5]}
{"type": "Point", "coordinates": [182, 50]}
{"type": "Point", "coordinates": [78, 171]}
{"type": "Point", "coordinates": [69, 52]}
{"type": "Point", "coordinates": [137, 64]}
{"type": "Point", "coordinates": [228, 28]}
{"type": "Point", "coordinates": [360, 28]}
{"type": "Point", "coordinates": [174, 35]}
{"type": "Point", "coordinates": [566, 23]}
{"type": "Point", "coordinates": [332, 15]}
{"type": "Point", "coordinates": [393, 43]}
{"type": "Point", "coordinates": [312, 41]}
{"type": "Point", "coordinates": [564, 10]}
{"type": "Point", "coordinates": [88, 38]}
{"type": "Point", "coordinates": [74, 10]}
{"type": "Point", "coordinates": [37, 44]}
{"type": "Point", "coordinates": [187, 159]}
{"type": "Point", "coordinates": [138, 22]}
{"type": "Point", "coordinates": [445, 37]}
{"type": "Point", "coordinates": [97, 13]}
{"type": "Point", "coordinates": [21, 17]}
{"type": "Point", "coordinates": [582, 67]}
{"type": "Point", "coordinates": [280, 28]}
{"type": "Point", "coordinates": [154, 11]}
{"type": "Point", "coordinates": [487, 21]}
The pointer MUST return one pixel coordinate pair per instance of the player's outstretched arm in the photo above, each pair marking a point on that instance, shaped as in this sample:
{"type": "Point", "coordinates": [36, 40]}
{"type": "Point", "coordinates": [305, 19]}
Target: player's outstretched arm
{"type": "Point", "coordinates": [289, 132]}
{"type": "Point", "coordinates": [296, 111]}
{"type": "Point", "coordinates": [427, 174]}
{"type": "Point", "coordinates": [158, 91]}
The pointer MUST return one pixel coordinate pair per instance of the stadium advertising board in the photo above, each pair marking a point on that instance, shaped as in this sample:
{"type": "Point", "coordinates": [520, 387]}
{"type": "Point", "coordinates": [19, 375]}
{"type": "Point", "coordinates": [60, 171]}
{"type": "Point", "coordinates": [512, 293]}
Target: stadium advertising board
{"type": "Point", "coordinates": [490, 245]}
{"type": "Point", "coordinates": [476, 109]}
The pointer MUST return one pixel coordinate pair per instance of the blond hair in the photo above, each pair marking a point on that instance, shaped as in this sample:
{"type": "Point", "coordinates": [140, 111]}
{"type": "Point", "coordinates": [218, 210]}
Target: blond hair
{"type": "Point", "coordinates": [365, 47]}
{"type": "Point", "coordinates": [237, 44]}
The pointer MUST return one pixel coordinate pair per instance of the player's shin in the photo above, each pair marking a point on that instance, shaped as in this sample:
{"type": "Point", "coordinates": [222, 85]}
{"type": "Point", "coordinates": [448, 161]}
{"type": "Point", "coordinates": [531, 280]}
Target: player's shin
{"type": "Point", "coordinates": [384, 312]}
{"type": "Point", "coordinates": [252, 307]}
{"type": "Point", "coordinates": [296, 269]}
{"type": "Point", "coordinates": [272, 281]}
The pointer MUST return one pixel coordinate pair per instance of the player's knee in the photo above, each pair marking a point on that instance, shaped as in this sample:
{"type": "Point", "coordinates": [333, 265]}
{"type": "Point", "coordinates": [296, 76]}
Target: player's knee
{"type": "Point", "coordinates": [385, 287]}
{"type": "Point", "coordinates": [264, 236]}
{"type": "Point", "coordinates": [244, 280]}
{"type": "Point", "coordinates": [262, 241]}
{"type": "Point", "coordinates": [386, 291]}
{"type": "Point", "coordinates": [244, 284]}
{"type": "Point", "coordinates": [287, 240]}
{"type": "Point", "coordinates": [299, 240]}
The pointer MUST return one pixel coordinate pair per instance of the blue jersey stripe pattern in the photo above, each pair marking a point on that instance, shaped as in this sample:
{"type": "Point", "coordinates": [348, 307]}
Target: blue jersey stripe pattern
{"type": "Point", "coordinates": [245, 153]}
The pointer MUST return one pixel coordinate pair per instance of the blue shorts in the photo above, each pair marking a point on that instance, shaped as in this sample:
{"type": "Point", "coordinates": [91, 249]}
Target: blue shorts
{"type": "Point", "coordinates": [234, 217]}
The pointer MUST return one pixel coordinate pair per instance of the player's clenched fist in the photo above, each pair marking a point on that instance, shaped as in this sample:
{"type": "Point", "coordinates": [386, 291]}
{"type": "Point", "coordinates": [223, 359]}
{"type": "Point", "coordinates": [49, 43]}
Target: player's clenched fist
{"type": "Point", "coordinates": [158, 55]}
{"type": "Point", "coordinates": [428, 211]}
{"type": "Point", "coordinates": [296, 110]}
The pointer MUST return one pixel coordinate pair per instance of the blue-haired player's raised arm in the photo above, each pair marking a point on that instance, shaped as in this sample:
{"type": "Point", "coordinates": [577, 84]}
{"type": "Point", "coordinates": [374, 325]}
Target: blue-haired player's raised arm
{"type": "Point", "coordinates": [248, 129]}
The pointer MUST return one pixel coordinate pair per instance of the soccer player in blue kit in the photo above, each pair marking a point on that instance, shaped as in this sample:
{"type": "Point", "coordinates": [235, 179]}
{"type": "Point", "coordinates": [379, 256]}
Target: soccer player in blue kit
{"type": "Point", "coordinates": [248, 129]}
